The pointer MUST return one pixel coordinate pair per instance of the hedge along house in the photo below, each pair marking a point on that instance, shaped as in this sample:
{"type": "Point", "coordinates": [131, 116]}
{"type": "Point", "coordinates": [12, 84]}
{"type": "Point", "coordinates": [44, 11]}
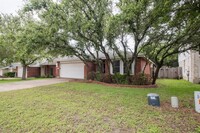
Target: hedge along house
{"type": "Point", "coordinates": [72, 67]}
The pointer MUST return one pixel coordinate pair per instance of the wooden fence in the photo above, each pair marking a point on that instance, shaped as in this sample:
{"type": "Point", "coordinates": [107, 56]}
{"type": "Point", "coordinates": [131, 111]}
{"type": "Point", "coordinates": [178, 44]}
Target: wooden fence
{"type": "Point", "coordinates": [171, 73]}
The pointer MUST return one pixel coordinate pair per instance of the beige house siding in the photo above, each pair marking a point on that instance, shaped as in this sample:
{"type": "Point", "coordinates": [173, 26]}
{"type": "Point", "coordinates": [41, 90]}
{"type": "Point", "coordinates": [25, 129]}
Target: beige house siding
{"type": "Point", "coordinates": [190, 63]}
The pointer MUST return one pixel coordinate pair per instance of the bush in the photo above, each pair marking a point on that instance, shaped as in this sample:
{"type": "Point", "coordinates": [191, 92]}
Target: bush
{"type": "Point", "coordinates": [91, 76]}
{"type": "Point", "coordinates": [98, 76]}
{"type": "Point", "coordinates": [50, 76]}
{"type": "Point", "coordinates": [119, 78]}
{"type": "Point", "coordinates": [9, 74]}
{"type": "Point", "coordinates": [107, 78]}
{"type": "Point", "coordinates": [141, 79]}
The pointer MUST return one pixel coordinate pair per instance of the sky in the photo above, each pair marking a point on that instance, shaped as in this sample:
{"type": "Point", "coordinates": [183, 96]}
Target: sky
{"type": "Point", "coordinates": [10, 6]}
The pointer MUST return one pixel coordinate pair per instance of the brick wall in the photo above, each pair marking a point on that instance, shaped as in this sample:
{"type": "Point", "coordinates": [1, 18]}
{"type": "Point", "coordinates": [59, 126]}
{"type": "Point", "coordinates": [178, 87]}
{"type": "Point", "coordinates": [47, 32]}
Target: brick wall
{"type": "Point", "coordinates": [33, 72]}
{"type": "Point", "coordinates": [141, 62]}
{"type": "Point", "coordinates": [89, 67]}
{"type": "Point", "coordinates": [58, 69]}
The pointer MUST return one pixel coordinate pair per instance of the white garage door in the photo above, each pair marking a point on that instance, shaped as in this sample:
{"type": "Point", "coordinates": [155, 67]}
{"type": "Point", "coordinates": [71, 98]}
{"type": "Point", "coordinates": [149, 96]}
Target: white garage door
{"type": "Point", "coordinates": [72, 70]}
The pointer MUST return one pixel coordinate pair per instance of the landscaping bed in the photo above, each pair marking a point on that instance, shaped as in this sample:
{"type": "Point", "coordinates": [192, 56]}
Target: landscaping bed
{"type": "Point", "coordinates": [112, 85]}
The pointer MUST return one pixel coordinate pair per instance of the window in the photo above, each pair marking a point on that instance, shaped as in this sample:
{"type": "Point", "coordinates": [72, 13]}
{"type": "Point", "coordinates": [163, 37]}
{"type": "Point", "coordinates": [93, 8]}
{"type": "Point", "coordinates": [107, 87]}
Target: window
{"type": "Point", "coordinates": [116, 66]}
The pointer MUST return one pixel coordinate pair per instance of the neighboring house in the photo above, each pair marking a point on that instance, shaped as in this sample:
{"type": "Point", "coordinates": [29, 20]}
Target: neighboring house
{"type": "Point", "coordinates": [32, 70]}
{"type": "Point", "coordinates": [38, 69]}
{"type": "Point", "coordinates": [72, 67]}
{"type": "Point", "coordinates": [190, 63]}
{"type": "Point", "coordinates": [11, 68]}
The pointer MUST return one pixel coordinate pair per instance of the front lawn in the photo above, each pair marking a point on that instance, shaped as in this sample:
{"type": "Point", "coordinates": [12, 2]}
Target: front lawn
{"type": "Point", "coordinates": [5, 80]}
{"type": "Point", "coordinates": [9, 80]}
{"type": "Point", "coordinates": [81, 107]}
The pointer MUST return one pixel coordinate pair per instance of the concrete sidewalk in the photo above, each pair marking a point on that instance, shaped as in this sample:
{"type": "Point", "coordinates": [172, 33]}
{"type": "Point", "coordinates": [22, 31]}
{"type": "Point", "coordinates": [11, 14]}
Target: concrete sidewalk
{"type": "Point", "coordinates": [29, 84]}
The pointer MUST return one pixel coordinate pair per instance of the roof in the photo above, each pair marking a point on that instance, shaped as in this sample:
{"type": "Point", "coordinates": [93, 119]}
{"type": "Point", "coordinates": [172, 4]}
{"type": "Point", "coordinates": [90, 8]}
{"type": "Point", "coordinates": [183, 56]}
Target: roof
{"type": "Point", "coordinates": [48, 63]}
{"type": "Point", "coordinates": [101, 56]}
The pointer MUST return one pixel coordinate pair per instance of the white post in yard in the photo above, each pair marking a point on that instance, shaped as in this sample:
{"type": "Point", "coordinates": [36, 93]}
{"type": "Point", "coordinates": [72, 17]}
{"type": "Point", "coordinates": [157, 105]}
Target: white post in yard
{"type": "Point", "coordinates": [174, 102]}
{"type": "Point", "coordinates": [197, 101]}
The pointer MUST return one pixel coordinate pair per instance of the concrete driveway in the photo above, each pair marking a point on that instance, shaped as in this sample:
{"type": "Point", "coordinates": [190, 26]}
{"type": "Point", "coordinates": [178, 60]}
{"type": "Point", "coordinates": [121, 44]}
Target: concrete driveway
{"type": "Point", "coordinates": [29, 84]}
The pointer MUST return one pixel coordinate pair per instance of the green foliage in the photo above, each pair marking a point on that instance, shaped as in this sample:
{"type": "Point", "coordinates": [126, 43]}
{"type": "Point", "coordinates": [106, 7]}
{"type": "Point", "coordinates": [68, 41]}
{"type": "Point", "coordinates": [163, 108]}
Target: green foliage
{"type": "Point", "coordinates": [198, 129]}
{"type": "Point", "coordinates": [91, 76]}
{"type": "Point", "coordinates": [6, 38]}
{"type": "Point", "coordinates": [9, 74]}
{"type": "Point", "coordinates": [24, 37]}
{"type": "Point", "coordinates": [107, 78]}
{"type": "Point", "coordinates": [76, 28]}
{"type": "Point", "coordinates": [98, 76]}
{"type": "Point", "coordinates": [140, 79]}
{"type": "Point", "coordinates": [119, 78]}
{"type": "Point", "coordinates": [86, 28]}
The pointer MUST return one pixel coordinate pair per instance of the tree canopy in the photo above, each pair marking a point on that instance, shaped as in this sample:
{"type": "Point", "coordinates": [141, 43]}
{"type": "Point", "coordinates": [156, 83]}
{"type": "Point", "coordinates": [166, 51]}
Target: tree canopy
{"type": "Point", "coordinates": [87, 28]}
{"type": "Point", "coordinates": [23, 38]}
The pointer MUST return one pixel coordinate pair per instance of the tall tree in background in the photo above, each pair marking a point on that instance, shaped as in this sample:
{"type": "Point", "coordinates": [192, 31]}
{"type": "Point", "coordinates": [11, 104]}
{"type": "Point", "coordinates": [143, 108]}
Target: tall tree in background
{"type": "Point", "coordinates": [177, 34]}
{"type": "Point", "coordinates": [26, 37]}
{"type": "Point", "coordinates": [6, 38]}
{"type": "Point", "coordinates": [77, 28]}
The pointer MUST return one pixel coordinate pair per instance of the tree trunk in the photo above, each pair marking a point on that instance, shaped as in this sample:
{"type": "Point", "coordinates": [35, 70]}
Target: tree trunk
{"type": "Point", "coordinates": [128, 73]}
{"type": "Point", "coordinates": [107, 63]}
{"type": "Point", "coordinates": [98, 63]}
{"type": "Point", "coordinates": [155, 76]}
{"type": "Point", "coordinates": [135, 65]}
{"type": "Point", "coordinates": [24, 72]}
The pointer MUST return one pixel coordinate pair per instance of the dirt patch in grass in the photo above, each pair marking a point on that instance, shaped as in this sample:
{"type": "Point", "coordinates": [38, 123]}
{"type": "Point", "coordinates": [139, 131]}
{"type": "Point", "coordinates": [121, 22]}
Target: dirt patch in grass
{"type": "Point", "coordinates": [112, 85]}
{"type": "Point", "coordinates": [182, 118]}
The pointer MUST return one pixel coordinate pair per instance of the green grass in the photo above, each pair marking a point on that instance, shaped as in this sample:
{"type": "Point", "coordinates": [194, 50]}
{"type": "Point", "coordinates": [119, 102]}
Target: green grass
{"type": "Point", "coordinates": [81, 107]}
{"type": "Point", "coordinates": [5, 80]}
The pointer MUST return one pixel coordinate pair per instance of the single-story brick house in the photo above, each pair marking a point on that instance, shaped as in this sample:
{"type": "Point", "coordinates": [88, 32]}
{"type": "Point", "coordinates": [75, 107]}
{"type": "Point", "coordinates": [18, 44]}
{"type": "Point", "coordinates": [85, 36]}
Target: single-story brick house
{"type": "Point", "coordinates": [45, 69]}
{"type": "Point", "coordinates": [32, 70]}
{"type": "Point", "coordinates": [11, 68]}
{"type": "Point", "coordinates": [72, 67]}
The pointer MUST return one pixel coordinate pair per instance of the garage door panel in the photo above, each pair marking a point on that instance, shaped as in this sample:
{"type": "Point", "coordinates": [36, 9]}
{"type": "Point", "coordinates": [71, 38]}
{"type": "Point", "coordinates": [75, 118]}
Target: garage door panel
{"type": "Point", "coordinates": [72, 70]}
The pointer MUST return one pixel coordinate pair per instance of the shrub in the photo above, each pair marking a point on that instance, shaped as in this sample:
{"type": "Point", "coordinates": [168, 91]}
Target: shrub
{"type": "Point", "coordinates": [107, 78]}
{"type": "Point", "coordinates": [50, 76]}
{"type": "Point", "coordinates": [9, 74]}
{"type": "Point", "coordinates": [91, 75]}
{"type": "Point", "coordinates": [98, 76]}
{"type": "Point", "coordinates": [141, 79]}
{"type": "Point", "coordinates": [119, 78]}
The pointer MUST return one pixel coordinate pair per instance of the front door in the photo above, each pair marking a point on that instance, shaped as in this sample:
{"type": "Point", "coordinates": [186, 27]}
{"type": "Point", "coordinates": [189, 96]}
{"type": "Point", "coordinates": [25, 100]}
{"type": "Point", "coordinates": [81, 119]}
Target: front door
{"type": "Point", "coordinates": [51, 72]}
